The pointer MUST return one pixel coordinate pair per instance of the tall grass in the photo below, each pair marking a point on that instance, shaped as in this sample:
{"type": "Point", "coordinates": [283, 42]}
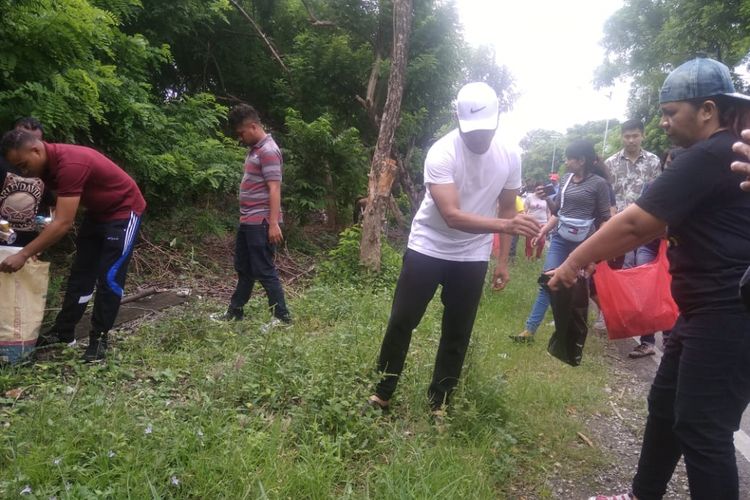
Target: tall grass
{"type": "Point", "coordinates": [188, 408]}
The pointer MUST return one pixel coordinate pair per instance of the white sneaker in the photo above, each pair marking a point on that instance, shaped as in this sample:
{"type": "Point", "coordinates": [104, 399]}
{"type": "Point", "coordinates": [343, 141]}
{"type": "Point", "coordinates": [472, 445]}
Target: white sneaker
{"type": "Point", "coordinates": [275, 323]}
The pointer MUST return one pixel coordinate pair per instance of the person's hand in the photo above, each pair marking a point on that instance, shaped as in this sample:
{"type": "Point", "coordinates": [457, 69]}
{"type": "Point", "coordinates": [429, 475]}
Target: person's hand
{"type": "Point", "coordinates": [539, 237]}
{"type": "Point", "coordinates": [500, 278]}
{"type": "Point", "coordinates": [523, 225]}
{"type": "Point", "coordinates": [12, 263]}
{"type": "Point", "coordinates": [564, 276]}
{"type": "Point", "coordinates": [274, 234]}
{"type": "Point", "coordinates": [742, 167]}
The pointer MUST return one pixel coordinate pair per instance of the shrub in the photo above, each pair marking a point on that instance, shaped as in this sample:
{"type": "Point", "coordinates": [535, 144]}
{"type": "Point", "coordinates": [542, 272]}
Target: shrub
{"type": "Point", "coordinates": [342, 265]}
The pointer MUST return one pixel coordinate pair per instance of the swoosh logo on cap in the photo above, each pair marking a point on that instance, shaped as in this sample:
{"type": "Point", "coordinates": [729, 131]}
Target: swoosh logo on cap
{"type": "Point", "coordinates": [477, 110]}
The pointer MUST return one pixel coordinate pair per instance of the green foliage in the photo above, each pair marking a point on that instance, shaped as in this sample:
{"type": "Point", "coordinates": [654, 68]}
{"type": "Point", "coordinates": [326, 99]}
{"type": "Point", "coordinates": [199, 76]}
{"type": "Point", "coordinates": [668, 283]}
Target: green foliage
{"type": "Point", "coordinates": [645, 39]}
{"type": "Point", "coordinates": [186, 406]}
{"type": "Point", "coordinates": [343, 267]}
{"type": "Point", "coordinates": [543, 152]}
{"type": "Point", "coordinates": [151, 94]}
{"type": "Point", "coordinates": [325, 168]}
{"type": "Point", "coordinates": [70, 65]}
{"type": "Point", "coordinates": [541, 146]}
{"type": "Point", "coordinates": [178, 153]}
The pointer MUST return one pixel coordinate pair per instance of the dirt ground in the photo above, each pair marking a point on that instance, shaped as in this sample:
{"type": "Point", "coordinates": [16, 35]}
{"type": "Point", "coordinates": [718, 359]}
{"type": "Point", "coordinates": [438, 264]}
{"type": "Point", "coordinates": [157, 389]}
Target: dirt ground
{"type": "Point", "coordinates": [618, 432]}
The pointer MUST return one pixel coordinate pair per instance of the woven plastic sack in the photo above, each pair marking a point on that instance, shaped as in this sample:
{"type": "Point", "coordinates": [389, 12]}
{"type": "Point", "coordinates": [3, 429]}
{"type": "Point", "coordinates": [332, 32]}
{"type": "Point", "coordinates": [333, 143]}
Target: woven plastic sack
{"type": "Point", "coordinates": [23, 296]}
{"type": "Point", "coordinates": [637, 301]}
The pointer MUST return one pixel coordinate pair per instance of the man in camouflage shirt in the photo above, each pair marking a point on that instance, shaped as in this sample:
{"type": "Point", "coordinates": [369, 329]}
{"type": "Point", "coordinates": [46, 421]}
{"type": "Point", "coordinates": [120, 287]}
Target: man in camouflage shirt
{"type": "Point", "coordinates": [631, 168]}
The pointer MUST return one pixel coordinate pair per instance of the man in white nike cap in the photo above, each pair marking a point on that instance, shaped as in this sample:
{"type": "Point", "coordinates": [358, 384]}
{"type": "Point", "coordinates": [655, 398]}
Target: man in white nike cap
{"type": "Point", "coordinates": [472, 180]}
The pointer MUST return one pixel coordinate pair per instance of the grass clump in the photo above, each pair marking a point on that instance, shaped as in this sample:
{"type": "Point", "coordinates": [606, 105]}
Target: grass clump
{"type": "Point", "coordinates": [188, 408]}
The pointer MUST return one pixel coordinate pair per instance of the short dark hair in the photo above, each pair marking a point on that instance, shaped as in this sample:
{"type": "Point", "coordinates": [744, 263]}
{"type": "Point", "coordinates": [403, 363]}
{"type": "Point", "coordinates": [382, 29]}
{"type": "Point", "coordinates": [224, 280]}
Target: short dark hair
{"type": "Point", "coordinates": [632, 125]}
{"type": "Point", "coordinates": [733, 113]}
{"type": "Point", "coordinates": [241, 113]}
{"type": "Point", "coordinates": [30, 123]}
{"type": "Point", "coordinates": [15, 139]}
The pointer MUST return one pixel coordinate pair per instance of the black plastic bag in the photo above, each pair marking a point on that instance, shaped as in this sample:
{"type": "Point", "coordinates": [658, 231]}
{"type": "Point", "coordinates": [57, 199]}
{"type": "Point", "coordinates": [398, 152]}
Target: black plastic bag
{"type": "Point", "coordinates": [570, 307]}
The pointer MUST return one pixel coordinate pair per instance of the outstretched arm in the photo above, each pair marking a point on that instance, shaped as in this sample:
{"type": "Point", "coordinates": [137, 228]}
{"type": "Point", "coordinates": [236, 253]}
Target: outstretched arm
{"type": "Point", "coordinates": [448, 203]}
{"type": "Point", "coordinates": [65, 214]}
{"type": "Point", "coordinates": [624, 232]}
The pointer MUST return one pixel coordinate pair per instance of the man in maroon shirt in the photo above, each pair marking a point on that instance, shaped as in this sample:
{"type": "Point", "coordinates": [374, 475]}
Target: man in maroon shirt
{"type": "Point", "coordinates": [114, 205]}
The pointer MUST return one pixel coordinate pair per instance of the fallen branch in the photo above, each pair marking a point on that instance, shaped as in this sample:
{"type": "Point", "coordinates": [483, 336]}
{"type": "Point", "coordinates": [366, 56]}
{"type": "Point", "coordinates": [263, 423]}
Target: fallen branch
{"type": "Point", "coordinates": [614, 408]}
{"type": "Point", "coordinates": [139, 295]}
{"type": "Point", "coordinates": [585, 439]}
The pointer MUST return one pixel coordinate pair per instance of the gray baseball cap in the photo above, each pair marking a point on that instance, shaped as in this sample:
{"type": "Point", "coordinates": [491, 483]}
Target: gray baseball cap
{"type": "Point", "coordinates": [699, 77]}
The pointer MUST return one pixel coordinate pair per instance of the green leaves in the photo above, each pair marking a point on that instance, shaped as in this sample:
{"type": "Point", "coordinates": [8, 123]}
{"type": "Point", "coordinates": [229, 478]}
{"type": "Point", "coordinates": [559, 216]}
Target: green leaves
{"type": "Point", "coordinates": [645, 39]}
{"type": "Point", "coordinates": [325, 168]}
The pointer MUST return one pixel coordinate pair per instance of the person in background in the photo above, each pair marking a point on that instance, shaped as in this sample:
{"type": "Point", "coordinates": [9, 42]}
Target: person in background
{"type": "Point", "coordinates": [260, 219]}
{"type": "Point", "coordinates": [513, 240]}
{"type": "Point", "coordinates": [702, 386]}
{"type": "Point", "coordinates": [23, 198]}
{"type": "Point", "coordinates": [632, 168]}
{"type": "Point", "coordinates": [582, 206]}
{"type": "Point", "coordinates": [537, 208]}
{"type": "Point", "coordinates": [104, 243]}
{"type": "Point", "coordinates": [554, 179]}
{"type": "Point", "coordinates": [30, 125]}
{"type": "Point", "coordinates": [467, 173]}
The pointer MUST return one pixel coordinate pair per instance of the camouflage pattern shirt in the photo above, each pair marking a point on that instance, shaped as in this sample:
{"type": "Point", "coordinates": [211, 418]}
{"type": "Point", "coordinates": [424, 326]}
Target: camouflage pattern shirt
{"type": "Point", "coordinates": [629, 177]}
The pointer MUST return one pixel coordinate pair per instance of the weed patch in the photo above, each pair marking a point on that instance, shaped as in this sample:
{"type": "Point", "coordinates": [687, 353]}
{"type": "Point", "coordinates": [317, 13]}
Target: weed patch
{"type": "Point", "coordinates": [190, 408]}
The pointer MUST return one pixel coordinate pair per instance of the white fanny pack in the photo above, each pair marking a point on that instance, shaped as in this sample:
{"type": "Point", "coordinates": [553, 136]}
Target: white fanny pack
{"type": "Point", "coordinates": [569, 228]}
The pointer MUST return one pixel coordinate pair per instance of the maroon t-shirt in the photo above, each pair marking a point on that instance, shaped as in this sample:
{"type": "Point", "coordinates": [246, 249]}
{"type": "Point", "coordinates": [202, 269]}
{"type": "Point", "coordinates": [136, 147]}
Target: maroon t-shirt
{"type": "Point", "coordinates": [107, 192]}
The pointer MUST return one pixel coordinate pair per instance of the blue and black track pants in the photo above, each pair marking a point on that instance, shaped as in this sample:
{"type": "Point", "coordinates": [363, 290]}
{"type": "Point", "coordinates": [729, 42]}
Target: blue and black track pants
{"type": "Point", "coordinates": [103, 251]}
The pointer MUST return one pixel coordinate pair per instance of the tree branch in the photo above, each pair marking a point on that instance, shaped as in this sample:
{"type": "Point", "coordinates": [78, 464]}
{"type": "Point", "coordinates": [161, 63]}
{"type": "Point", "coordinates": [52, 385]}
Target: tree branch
{"type": "Point", "coordinates": [313, 18]}
{"type": "Point", "coordinates": [260, 33]}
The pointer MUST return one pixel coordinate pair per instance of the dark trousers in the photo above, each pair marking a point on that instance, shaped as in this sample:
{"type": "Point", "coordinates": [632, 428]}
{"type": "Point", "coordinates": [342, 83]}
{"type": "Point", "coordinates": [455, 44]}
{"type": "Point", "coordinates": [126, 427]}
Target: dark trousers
{"type": "Point", "coordinates": [253, 261]}
{"type": "Point", "coordinates": [462, 288]}
{"type": "Point", "coordinates": [695, 405]}
{"type": "Point", "coordinates": [103, 251]}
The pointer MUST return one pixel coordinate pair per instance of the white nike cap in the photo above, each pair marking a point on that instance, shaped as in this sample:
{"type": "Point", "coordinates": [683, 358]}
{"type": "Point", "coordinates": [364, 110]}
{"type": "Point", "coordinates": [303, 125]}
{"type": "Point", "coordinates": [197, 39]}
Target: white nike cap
{"type": "Point", "coordinates": [477, 107]}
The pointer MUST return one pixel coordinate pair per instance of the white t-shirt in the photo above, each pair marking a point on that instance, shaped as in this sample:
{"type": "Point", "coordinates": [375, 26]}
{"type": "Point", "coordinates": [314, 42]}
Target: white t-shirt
{"type": "Point", "coordinates": [536, 207]}
{"type": "Point", "coordinates": [479, 180]}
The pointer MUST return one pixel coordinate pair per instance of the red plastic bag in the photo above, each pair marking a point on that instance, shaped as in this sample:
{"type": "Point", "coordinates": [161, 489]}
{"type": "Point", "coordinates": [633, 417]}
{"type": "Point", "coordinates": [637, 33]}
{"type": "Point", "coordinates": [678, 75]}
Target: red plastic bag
{"type": "Point", "coordinates": [636, 301]}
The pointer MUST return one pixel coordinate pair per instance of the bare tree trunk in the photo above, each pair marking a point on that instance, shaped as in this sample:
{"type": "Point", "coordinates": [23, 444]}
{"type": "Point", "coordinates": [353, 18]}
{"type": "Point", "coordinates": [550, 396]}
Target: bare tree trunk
{"type": "Point", "coordinates": [369, 101]}
{"type": "Point", "coordinates": [383, 169]}
{"type": "Point", "coordinates": [407, 183]}
{"type": "Point", "coordinates": [332, 211]}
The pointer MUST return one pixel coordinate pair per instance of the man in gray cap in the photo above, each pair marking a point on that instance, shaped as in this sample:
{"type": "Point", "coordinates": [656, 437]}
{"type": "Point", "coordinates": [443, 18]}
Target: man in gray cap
{"type": "Point", "coordinates": [468, 173]}
{"type": "Point", "coordinates": [702, 386]}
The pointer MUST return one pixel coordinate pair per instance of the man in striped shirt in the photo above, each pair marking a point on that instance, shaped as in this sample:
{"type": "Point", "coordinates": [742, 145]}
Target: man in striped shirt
{"type": "Point", "coordinates": [260, 218]}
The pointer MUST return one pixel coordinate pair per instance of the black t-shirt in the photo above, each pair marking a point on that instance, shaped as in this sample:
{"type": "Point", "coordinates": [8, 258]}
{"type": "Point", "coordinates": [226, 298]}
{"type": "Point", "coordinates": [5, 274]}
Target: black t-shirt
{"type": "Point", "coordinates": [709, 225]}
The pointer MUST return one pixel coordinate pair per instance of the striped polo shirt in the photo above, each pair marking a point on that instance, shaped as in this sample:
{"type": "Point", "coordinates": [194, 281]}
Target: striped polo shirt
{"type": "Point", "coordinates": [262, 164]}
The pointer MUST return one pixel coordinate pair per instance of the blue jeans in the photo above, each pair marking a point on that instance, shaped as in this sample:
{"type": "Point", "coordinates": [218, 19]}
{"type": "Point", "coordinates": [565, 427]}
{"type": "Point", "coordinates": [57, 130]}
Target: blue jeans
{"type": "Point", "coordinates": [559, 249]}
{"type": "Point", "coordinates": [641, 255]}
